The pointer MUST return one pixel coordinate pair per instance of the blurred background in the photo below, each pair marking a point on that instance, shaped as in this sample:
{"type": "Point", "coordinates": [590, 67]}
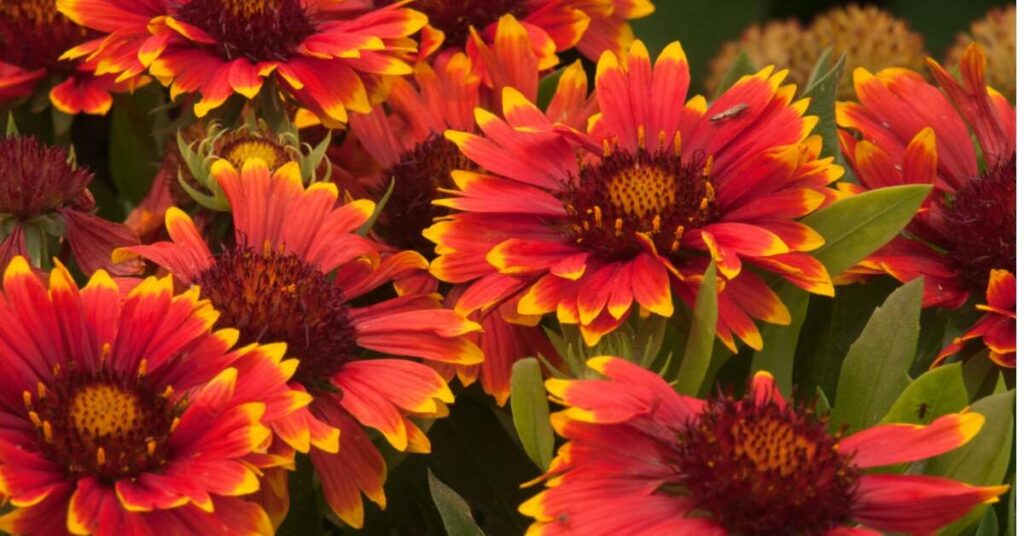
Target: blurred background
{"type": "Point", "coordinates": [705, 26]}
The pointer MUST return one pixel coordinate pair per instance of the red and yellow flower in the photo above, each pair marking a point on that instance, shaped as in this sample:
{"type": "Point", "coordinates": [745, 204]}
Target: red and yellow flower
{"type": "Point", "coordinates": [292, 276]}
{"type": "Point", "coordinates": [591, 26]}
{"type": "Point", "coordinates": [328, 59]}
{"type": "Point", "coordinates": [586, 224]}
{"type": "Point", "coordinates": [408, 146]}
{"type": "Point", "coordinates": [33, 35]}
{"type": "Point", "coordinates": [44, 195]}
{"type": "Point", "coordinates": [998, 323]}
{"type": "Point", "coordinates": [643, 459]}
{"type": "Point", "coordinates": [126, 413]}
{"type": "Point", "coordinates": [908, 131]}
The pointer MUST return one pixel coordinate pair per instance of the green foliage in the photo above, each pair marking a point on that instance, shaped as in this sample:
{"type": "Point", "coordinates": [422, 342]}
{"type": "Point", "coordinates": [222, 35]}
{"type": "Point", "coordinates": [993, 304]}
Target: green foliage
{"type": "Point", "coordinates": [983, 461]}
{"type": "Point", "coordinates": [857, 226]}
{"type": "Point", "coordinates": [530, 412]}
{"type": "Point", "coordinates": [741, 67]}
{"type": "Point", "coordinates": [697, 355]}
{"type": "Point", "coordinates": [780, 342]}
{"type": "Point", "coordinates": [822, 92]}
{"type": "Point", "coordinates": [938, 392]}
{"type": "Point", "coordinates": [135, 153]}
{"type": "Point", "coordinates": [874, 372]}
{"type": "Point", "coordinates": [458, 520]}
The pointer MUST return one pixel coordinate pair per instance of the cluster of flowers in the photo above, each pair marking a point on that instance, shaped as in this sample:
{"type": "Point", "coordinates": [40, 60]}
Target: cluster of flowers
{"type": "Point", "coordinates": [178, 403]}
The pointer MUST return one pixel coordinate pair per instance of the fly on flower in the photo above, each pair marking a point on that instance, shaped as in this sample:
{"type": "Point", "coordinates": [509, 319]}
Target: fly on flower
{"type": "Point", "coordinates": [585, 224]}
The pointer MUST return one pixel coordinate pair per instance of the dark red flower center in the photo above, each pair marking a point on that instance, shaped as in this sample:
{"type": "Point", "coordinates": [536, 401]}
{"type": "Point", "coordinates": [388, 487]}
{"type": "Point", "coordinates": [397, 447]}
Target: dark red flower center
{"type": "Point", "coordinates": [629, 193]}
{"type": "Point", "coordinates": [456, 17]}
{"type": "Point", "coordinates": [763, 469]}
{"type": "Point", "coordinates": [983, 225]}
{"type": "Point", "coordinates": [261, 30]}
{"type": "Point", "coordinates": [105, 423]}
{"type": "Point", "coordinates": [276, 296]}
{"type": "Point", "coordinates": [419, 173]}
{"type": "Point", "coordinates": [33, 35]}
{"type": "Point", "coordinates": [36, 179]}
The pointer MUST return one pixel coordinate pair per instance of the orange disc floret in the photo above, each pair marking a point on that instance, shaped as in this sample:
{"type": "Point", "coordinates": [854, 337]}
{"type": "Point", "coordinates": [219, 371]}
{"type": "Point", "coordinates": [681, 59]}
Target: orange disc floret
{"type": "Point", "coordinates": [127, 408]}
{"type": "Point", "coordinates": [642, 459]}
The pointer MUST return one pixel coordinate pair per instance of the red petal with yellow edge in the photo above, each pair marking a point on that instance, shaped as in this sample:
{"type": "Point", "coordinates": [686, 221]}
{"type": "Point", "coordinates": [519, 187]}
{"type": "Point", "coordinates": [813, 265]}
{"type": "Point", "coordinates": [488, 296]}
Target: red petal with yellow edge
{"type": "Point", "coordinates": [797, 236]}
{"type": "Point", "coordinates": [908, 503]}
{"type": "Point", "coordinates": [726, 260]}
{"type": "Point", "coordinates": [489, 290]}
{"type": "Point", "coordinates": [888, 444]}
{"type": "Point", "coordinates": [791, 203]}
{"type": "Point", "coordinates": [747, 240]}
{"type": "Point", "coordinates": [1001, 292]}
{"type": "Point", "coordinates": [521, 256]}
{"type": "Point", "coordinates": [569, 102]}
{"type": "Point", "coordinates": [424, 344]}
{"type": "Point", "coordinates": [1001, 337]}
{"type": "Point", "coordinates": [230, 515]}
{"type": "Point", "coordinates": [185, 257]}
{"type": "Point", "coordinates": [544, 296]}
{"type": "Point", "coordinates": [594, 290]}
{"type": "Point", "coordinates": [605, 33]}
{"type": "Point", "coordinates": [357, 469]}
{"type": "Point", "coordinates": [83, 95]}
{"type": "Point", "coordinates": [801, 269]}
{"type": "Point", "coordinates": [650, 285]}
{"type": "Point", "coordinates": [604, 324]}
{"type": "Point", "coordinates": [376, 390]}
{"type": "Point", "coordinates": [47, 517]}
{"type": "Point", "coordinates": [754, 297]}
{"type": "Point", "coordinates": [765, 391]}
{"type": "Point", "coordinates": [111, 15]}
{"type": "Point", "coordinates": [330, 88]}
{"type": "Point", "coordinates": [481, 193]}
{"type": "Point", "coordinates": [732, 318]}
{"type": "Point", "coordinates": [503, 344]}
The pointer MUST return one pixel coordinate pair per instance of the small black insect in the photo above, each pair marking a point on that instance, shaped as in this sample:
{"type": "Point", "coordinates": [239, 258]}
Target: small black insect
{"type": "Point", "coordinates": [733, 111]}
{"type": "Point", "coordinates": [922, 410]}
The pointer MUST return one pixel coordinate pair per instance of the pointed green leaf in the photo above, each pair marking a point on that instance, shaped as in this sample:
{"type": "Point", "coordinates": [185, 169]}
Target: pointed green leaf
{"type": "Point", "coordinates": [134, 153]}
{"type": "Point", "coordinates": [547, 87]}
{"type": "Point", "coordinates": [822, 91]}
{"type": "Point", "coordinates": [989, 525]}
{"type": "Point", "coordinates": [701, 341]}
{"type": "Point", "coordinates": [458, 520]}
{"type": "Point", "coordinates": [741, 67]}
{"type": "Point", "coordinates": [780, 342]}
{"type": "Point", "coordinates": [935, 393]}
{"type": "Point", "coordinates": [378, 209]}
{"type": "Point", "coordinates": [874, 372]}
{"type": "Point", "coordinates": [984, 460]}
{"type": "Point", "coordinates": [857, 226]}
{"type": "Point", "coordinates": [530, 412]}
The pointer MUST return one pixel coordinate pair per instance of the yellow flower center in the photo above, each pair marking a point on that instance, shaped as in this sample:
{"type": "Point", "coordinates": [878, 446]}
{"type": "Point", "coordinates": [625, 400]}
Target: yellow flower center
{"type": "Point", "coordinates": [772, 446]}
{"type": "Point", "coordinates": [642, 190]}
{"type": "Point", "coordinates": [102, 410]}
{"type": "Point", "coordinates": [238, 151]}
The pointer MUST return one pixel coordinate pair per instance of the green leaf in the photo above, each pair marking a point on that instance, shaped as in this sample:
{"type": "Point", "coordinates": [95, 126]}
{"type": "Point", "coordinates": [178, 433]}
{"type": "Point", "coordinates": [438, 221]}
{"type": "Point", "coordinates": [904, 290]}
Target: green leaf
{"type": "Point", "coordinates": [378, 209]}
{"type": "Point", "coordinates": [530, 412]}
{"type": "Point", "coordinates": [819, 71]}
{"type": "Point", "coordinates": [857, 226]}
{"type": "Point", "coordinates": [701, 341]}
{"type": "Point", "coordinates": [984, 460]}
{"type": "Point", "coordinates": [935, 393]}
{"type": "Point", "coordinates": [1011, 511]}
{"type": "Point", "coordinates": [989, 525]}
{"type": "Point", "coordinates": [304, 517]}
{"type": "Point", "coordinates": [780, 341]}
{"type": "Point", "coordinates": [458, 520]}
{"type": "Point", "coordinates": [134, 153]}
{"type": "Point", "coordinates": [547, 87]}
{"type": "Point", "coordinates": [874, 372]}
{"type": "Point", "coordinates": [822, 92]}
{"type": "Point", "coordinates": [741, 67]}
